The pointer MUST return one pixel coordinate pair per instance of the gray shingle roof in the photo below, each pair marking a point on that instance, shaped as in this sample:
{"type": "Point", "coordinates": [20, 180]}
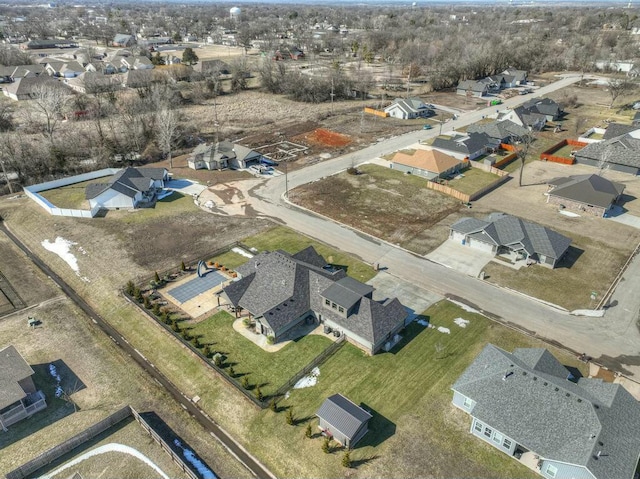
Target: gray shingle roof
{"type": "Point", "coordinates": [545, 106]}
{"type": "Point", "coordinates": [507, 230]}
{"type": "Point", "coordinates": [472, 85]}
{"type": "Point", "coordinates": [558, 419]}
{"type": "Point", "coordinates": [468, 144]}
{"type": "Point", "coordinates": [621, 150]}
{"type": "Point", "coordinates": [617, 129]}
{"type": "Point", "coordinates": [281, 288]}
{"type": "Point", "coordinates": [128, 181]}
{"type": "Point", "coordinates": [13, 368]}
{"type": "Point", "coordinates": [587, 189]}
{"type": "Point", "coordinates": [343, 415]}
{"type": "Point", "coordinates": [502, 130]}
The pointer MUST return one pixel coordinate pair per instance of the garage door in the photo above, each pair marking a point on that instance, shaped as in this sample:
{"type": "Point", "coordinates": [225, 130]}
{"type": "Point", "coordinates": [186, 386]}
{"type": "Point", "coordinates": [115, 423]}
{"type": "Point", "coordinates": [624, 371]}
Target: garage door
{"type": "Point", "coordinates": [458, 237]}
{"type": "Point", "coordinates": [479, 245]}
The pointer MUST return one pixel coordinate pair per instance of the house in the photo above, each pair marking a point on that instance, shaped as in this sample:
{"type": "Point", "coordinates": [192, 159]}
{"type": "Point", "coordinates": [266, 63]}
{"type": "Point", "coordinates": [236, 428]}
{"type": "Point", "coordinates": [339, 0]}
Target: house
{"type": "Point", "coordinates": [65, 70]}
{"type": "Point", "coordinates": [635, 121]}
{"type": "Point", "coordinates": [222, 155]}
{"type": "Point", "coordinates": [524, 117]}
{"type": "Point", "coordinates": [505, 131]}
{"type": "Point", "coordinates": [90, 82]}
{"type": "Point", "coordinates": [618, 129]}
{"type": "Point", "coordinates": [137, 78]}
{"type": "Point", "coordinates": [472, 88]}
{"type": "Point", "coordinates": [129, 188]}
{"type": "Point", "coordinates": [296, 54]}
{"type": "Point", "coordinates": [19, 397]}
{"type": "Point", "coordinates": [408, 109]}
{"type": "Point", "coordinates": [621, 153]}
{"type": "Point", "coordinates": [42, 44]}
{"type": "Point", "coordinates": [587, 193]}
{"type": "Point", "coordinates": [544, 106]}
{"type": "Point", "coordinates": [500, 234]}
{"type": "Point", "coordinates": [428, 163]}
{"type": "Point", "coordinates": [24, 88]}
{"type": "Point", "coordinates": [514, 77]}
{"type": "Point", "coordinates": [212, 66]}
{"type": "Point", "coordinates": [529, 406]}
{"type": "Point", "coordinates": [123, 40]}
{"type": "Point", "coordinates": [137, 62]}
{"type": "Point", "coordinates": [461, 146]}
{"type": "Point", "coordinates": [343, 420]}
{"type": "Point", "coordinates": [282, 291]}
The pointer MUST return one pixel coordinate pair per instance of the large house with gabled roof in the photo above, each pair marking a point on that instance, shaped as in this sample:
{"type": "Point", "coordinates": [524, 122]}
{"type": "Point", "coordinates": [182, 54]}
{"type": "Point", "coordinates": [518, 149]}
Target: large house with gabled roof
{"type": "Point", "coordinates": [282, 291]}
{"type": "Point", "coordinates": [500, 233]}
{"type": "Point", "coordinates": [620, 153]}
{"type": "Point", "coordinates": [529, 406]}
{"type": "Point", "coordinates": [590, 194]}
{"type": "Point", "coordinates": [128, 188]}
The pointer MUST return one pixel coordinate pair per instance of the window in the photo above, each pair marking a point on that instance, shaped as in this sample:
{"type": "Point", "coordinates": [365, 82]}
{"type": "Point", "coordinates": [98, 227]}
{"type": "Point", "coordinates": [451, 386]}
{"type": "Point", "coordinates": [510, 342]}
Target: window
{"type": "Point", "coordinates": [341, 309]}
{"type": "Point", "coordinates": [334, 305]}
{"type": "Point", "coordinates": [497, 438]}
{"type": "Point", "coordinates": [467, 403]}
{"type": "Point", "coordinates": [327, 302]}
{"type": "Point", "coordinates": [506, 444]}
{"type": "Point", "coordinates": [551, 470]}
{"type": "Point", "coordinates": [478, 426]}
{"type": "Point", "coordinates": [488, 432]}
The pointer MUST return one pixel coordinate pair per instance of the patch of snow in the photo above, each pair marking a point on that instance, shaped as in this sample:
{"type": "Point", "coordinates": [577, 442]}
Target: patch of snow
{"type": "Point", "coordinates": [111, 447]}
{"type": "Point", "coordinates": [308, 381]}
{"type": "Point", "coordinates": [570, 214]}
{"type": "Point", "coordinates": [468, 309]}
{"type": "Point", "coordinates": [325, 156]}
{"type": "Point", "coordinates": [61, 247]}
{"type": "Point", "coordinates": [461, 322]}
{"type": "Point", "coordinates": [422, 322]}
{"type": "Point", "coordinates": [444, 330]}
{"type": "Point", "coordinates": [287, 394]}
{"type": "Point", "coordinates": [242, 252]}
{"type": "Point", "coordinates": [209, 204]}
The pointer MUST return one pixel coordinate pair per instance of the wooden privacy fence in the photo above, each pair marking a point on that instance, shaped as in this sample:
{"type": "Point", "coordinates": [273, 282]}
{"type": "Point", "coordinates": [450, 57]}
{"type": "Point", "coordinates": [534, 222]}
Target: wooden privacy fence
{"type": "Point", "coordinates": [548, 155]}
{"type": "Point", "coordinates": [373, 111]}
{"type": "Point", "coordinates": [88, 434]}
{"type": "Point", "coordinates": [447, 190]}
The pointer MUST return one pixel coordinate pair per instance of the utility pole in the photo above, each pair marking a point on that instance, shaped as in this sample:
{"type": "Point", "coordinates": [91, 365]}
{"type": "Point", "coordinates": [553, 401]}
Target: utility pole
{"type": "Point", "coordinates": [6, 177]}
{"type": "Point", "coordinates": [332, 95]}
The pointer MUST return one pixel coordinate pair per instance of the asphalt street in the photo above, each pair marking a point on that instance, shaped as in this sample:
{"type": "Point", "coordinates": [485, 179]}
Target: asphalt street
{"type": "Point", "coordinates": [614, 340]}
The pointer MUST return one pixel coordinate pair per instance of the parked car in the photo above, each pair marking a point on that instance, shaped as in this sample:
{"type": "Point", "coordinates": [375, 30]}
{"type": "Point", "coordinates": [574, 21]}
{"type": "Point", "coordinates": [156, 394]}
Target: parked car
{"type": "Point", "coordinates": [427, 127]}
{"type": "Point", "coordinates": [268, 162]}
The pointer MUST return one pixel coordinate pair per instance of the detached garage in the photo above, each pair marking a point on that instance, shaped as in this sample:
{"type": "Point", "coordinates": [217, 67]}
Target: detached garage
{"type": "Point", "coordinates": [342, 420]}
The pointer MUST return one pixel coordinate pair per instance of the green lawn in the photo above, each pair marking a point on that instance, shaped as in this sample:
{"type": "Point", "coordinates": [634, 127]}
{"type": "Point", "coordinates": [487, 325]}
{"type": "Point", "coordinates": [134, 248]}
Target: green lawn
{"type": "Point", "coordinates": [416, 432]}
{"type": "Point", "coordinates": [570, 284]}
{"type": "Point", "coordinates": [167, 206]}
{"type": "Point", "coordinates": [473, 180]}
{"type": "Point", "coordinates": [290, 241]}
{"type": "Point", "coordinates": [230, 259]}
{"type": "Point", "coordinates": [71, 196]}
{"type": "Point", "coordinates": [269, 370]}
{"type": "Point", "coordinates": [564, 152]}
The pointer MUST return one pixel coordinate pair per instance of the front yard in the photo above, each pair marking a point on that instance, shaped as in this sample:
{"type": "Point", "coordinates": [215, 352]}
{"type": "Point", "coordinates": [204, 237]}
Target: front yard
{"type": "Point", "coordinates": [268, 370]}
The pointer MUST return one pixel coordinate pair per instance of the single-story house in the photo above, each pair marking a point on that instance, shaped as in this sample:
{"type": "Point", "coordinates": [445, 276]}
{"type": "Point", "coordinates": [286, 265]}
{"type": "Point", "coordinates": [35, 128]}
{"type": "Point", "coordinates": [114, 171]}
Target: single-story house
{"type": "Point", "coordinates": [428, 163]}
{"type": "Point", "coordinates": [136, 78]}
{"type": "Point", "coordinates": [586, 193]}
{"type": "Point", "coordinates": [212, 66]}
{"type": "Point", "coordinates": [19, 397]}
{"type": "Point", "coordinates": [504, 131]}
{"type": "Point", "coordinates": [500, 233]}
{"type": "Point", "coordinates": [24, 88]}
{"type": "Point", "coordinates": [545, 106]}
{"type": "Point", "coordinates": [473, 88]}
{"type": "Point", "coordinates": [342, 420]}
{"type": "Point", "coordinates": [282, 291]}
{"type": "Point", "coordinates": [55, 43]}
{"type": "Point", "coordinates": [123, 40]}
{"type": "Point", "coordinates": [524, 117]}
{"type": "Point", "coordinates": [621, 153]}
{"type": "Point", "coordinates": [529, 406]}
{"type": "Point", "coordinates": [408, 109]}
{"type": "Point", "coordinates": [614, 130]}
{"type": "Point", "coordinates": [129, 188]}
{"type": "Point", "coordinates": [221, 155]}
{"type": "Point", "coordinates": [461, 146]}
{"type": "Point", "coordinates": [514, 77]}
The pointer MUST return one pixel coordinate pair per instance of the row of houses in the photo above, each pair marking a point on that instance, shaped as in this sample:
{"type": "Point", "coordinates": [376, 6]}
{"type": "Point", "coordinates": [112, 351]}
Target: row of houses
{"type": "Point", "coordinates": [509, 78]}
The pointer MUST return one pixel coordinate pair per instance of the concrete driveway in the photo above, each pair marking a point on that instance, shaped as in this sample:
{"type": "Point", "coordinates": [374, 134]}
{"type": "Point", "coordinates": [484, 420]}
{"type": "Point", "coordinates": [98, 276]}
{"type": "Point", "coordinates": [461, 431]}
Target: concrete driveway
{"type": "Point", "coordinates": [461, 258]}
{"type": "Point", "coordinates": [619, 215]}
{"type": "Point", "coordinates": [413, 298]}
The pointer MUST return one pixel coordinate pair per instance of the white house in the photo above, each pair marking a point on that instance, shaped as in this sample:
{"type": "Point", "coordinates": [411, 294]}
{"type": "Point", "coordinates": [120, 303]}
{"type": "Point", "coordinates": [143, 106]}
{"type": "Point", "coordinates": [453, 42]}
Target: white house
{"type": "Point", "coordinates": [408, 109]}
{"type": "Point", "coordinates": [129, 188]}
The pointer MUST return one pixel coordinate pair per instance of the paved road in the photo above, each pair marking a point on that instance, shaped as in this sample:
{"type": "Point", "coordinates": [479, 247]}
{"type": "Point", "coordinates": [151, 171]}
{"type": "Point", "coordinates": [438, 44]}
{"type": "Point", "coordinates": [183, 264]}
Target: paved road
{"type": "Point", "coordinates": [612, 339]}
{"type": "Point", "coordinates": [205, 421]}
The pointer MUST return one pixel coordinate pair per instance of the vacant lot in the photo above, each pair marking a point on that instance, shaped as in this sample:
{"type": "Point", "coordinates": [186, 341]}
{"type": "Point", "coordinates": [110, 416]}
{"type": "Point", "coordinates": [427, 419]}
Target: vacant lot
{"type": "Point", "coordinates": [472, 180]}
{"type": "Point", "coordinates": [416, 432]}
{"type": "Point", "coordinates": [116, 464]}
{"type": "Point", "coordinates": [267, 370]}
{"type": "Point", "coordinates": [384, 203]}
{"type": "Point", "coordinates": [72, 196]}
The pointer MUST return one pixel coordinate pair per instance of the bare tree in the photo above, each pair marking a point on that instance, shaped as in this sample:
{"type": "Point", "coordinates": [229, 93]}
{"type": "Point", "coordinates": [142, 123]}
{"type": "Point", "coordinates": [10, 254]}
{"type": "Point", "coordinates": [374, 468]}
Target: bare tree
{"type": "Point", "coordinates": [522, 150]}
{"type": "Point", "coordinates": [166, 130]}
{"type": "Point", "coordinates": [618, 88]}
{"type": "Point", "coordinates": [49, 99]}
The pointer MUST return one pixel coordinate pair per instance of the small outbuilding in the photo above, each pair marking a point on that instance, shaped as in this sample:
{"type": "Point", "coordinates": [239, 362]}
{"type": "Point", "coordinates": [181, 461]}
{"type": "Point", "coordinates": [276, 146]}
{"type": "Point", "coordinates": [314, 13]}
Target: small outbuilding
{"type": "Point", "coordinates": [343, 420]}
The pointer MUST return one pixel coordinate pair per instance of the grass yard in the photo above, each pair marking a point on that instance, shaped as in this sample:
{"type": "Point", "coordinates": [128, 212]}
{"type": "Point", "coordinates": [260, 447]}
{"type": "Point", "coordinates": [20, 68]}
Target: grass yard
{"type": "Point", "coordinates": [565, 151]}
{"type": "Point", "coordinates": [229, 259]}
{"type": "Point", "coordinates": [117, 464]}
{"type": "Point", "coordinates": [384, 203]}
{"type": "Point", "coordinates": [473, 179]}
{"type": "Point", "coordinates": [416, 431]}
{"type": "Point", "coordinates": [588, 266]}
{"type": "Point", "coordinates": [72, 196]}
{"type": "Point", "coordinates": [288, 240]}
{"type": "Point", "coordinates": [268, 370]}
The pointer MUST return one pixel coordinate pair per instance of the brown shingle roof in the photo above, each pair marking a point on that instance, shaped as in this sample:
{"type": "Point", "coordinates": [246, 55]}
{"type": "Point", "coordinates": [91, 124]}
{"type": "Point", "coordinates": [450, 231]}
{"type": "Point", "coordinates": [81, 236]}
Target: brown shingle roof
{"type": "Point", "coordinates": [429, 160]}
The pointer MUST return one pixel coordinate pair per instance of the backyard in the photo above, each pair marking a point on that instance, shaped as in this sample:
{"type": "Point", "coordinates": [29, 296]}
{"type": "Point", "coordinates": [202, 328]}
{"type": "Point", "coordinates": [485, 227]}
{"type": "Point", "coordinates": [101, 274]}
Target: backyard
{"type": "Point", "coordinates": [472, 180]}
{"type": "Point", "coordinates": [71, 196]}
{"type": "Point", "coordinates": [383, 202]}
{"type": "Point", "coordinates": [416, 432]}
{"type": "Point", "coordinates": [269, 370]}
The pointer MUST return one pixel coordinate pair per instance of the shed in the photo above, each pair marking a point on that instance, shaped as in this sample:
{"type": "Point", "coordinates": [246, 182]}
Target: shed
{"type": "Point", "coordinates": [343, 420]}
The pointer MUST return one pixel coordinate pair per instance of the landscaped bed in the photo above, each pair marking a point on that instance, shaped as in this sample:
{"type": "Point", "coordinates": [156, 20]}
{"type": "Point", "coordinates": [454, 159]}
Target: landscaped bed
{"type": "Point", "coordinates": [383, 202]}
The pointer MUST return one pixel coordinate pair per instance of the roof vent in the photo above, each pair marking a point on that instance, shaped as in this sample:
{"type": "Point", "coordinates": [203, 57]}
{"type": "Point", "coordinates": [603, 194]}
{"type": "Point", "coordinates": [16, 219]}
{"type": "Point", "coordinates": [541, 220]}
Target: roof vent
{"type": "Point", "coordinates": [596, 406]}
{"type": "Point", "coordinates": [600, 443]}
{"type": "Point", "coordinates": [568, 395]}
{"type": "Point", "coordinates": [535, 378]}
{"type": "Point", "coordinates": [557, 389]}
{"type": "Point", "coordinates": [545, 383]}
{"type": "Point", "coordinates": [579, 399]}
{"type": "Point", "coordinates": [524, 373]}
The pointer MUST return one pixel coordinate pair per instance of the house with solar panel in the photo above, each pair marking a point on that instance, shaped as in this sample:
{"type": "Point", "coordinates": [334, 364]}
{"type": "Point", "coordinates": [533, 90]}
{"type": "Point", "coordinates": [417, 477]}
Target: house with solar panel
{"type": "Point", "coordinates": [529, 406]}
{"type": "Point", "coordinates": [513, 237]}
{"type": "Point", "coordinates": [282, 291]}
{"type": "Point", "coordinates": [128, 188]}
{"type": "Point", "coordinates": [342, 420]}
